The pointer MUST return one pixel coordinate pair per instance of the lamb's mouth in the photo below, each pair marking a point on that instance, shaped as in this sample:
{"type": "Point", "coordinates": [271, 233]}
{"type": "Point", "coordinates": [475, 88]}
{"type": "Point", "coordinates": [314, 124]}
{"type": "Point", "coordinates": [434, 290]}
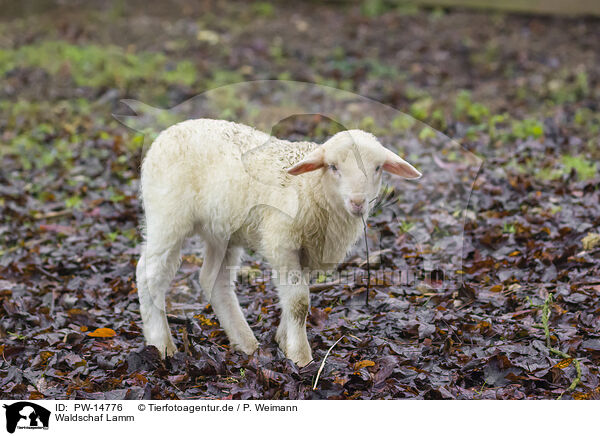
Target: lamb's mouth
{"type": "Point", "coordinates": [356, 212]}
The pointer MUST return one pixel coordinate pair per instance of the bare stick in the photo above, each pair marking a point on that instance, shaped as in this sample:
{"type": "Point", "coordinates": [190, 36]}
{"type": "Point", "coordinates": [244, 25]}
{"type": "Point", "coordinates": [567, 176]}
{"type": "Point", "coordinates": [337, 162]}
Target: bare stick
{"type": "Point", "coordinates": [375, 254]}
{"type": "Point", "coordinates": [368, 264]}
{"type": "Point", "coordinates": [53, 214]}
{"type": "Point", "coordinates": [47, 273]}
{"type": "Point", "coordinates": [186, 340]}
{"type": "Point", "coordinates": [176, 319]}
{"type": "Point", "coordinates": [323, 362]}
{"type": "Point", "coordinates": [323, 286]}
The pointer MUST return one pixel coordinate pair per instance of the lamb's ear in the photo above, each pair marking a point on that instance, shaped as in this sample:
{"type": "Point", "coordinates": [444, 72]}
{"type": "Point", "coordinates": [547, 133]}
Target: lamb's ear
{"type": "Point", "coordinates": [396, 165]}
{"type": "Point", "coordinates": [313, 161]}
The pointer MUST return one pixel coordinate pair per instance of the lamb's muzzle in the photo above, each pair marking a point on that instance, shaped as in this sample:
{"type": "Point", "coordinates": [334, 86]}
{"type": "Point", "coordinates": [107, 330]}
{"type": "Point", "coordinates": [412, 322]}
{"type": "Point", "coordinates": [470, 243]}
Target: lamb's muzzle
{"type": "Point", "coordinates": [298, 204]}
{"type": "Point", "coordinates": [357, 204]}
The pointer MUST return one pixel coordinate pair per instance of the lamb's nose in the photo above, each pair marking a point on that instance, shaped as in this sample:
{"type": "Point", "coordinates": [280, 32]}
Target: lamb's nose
{"type": "Point", "coordinates": [357, 201]}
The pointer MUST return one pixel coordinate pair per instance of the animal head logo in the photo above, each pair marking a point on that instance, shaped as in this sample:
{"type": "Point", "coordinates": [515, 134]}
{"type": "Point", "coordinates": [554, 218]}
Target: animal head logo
{"type": "Point", "coordinates": [24, 414]}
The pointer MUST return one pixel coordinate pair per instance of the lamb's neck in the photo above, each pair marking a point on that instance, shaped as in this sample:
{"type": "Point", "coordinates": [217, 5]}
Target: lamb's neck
{"type": "Point", "coordinates": [328, 231]}
{"type": "Point", "coordinates": [311, 190]}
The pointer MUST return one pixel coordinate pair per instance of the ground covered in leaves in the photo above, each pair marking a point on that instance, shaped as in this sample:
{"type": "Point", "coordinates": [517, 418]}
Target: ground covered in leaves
{"type": "Point", "coordinates": [521, 93]}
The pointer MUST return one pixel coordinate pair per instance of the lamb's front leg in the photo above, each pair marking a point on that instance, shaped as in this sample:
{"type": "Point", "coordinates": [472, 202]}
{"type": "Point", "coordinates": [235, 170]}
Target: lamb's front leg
{"type": "Point", "coordinates": [294, 296]}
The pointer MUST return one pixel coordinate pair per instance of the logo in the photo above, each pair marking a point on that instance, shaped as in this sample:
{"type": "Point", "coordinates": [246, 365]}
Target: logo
{"type": "Point", "coordinates": [26, 415]}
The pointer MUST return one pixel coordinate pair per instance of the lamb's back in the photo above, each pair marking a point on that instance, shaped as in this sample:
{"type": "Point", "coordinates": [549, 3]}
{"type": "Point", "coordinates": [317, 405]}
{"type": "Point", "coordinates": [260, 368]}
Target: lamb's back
{"type": "Point", "coordinates": [218, 170]}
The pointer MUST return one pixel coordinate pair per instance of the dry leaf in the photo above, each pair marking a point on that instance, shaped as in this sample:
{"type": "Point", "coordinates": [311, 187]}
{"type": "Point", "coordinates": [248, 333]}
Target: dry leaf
{"type": "Point", "coordinates": [204, 320]}
{"type": "Point", "coordinates": [103, 332]}
{"type": "Point", "coordinates": [363, 364]}
{"type": "Point", "coordinates": [564, 363]}
{"type": "Point", "coordinates": [590, 241]}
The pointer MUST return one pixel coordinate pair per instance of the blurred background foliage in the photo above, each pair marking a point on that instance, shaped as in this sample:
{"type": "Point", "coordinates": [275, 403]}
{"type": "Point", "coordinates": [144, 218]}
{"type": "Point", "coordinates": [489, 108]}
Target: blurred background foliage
{"type": "Point", "coordinates": [485, 78]}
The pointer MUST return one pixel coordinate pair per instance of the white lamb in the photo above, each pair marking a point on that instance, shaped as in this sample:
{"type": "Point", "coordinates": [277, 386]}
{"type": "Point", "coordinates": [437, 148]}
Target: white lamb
{"type": "Point", "coordinates": [298, 204]}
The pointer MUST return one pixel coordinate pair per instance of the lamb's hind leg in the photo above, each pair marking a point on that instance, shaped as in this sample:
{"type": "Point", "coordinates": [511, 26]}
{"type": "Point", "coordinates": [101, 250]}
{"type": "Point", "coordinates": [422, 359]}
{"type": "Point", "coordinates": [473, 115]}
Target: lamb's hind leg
{"type": "Point", "coordinates": [216, 279]}
{"type": "Point", "coordinates": [155, 270]}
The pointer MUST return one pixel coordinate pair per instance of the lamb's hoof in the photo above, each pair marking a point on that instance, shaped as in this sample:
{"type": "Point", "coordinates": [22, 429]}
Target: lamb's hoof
{"type": "Point", "coordinates": [303, 361]}
{"type": "Point", "coordinates": [248, 346]}
{"type": "Point", "coordinates": [165, 349]}
{"type": "Point", "coordinates": [300, 355]}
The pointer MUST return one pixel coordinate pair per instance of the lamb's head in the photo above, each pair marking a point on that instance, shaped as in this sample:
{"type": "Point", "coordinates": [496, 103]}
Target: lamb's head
{"type": "Point", "coordinates": [352, 163]}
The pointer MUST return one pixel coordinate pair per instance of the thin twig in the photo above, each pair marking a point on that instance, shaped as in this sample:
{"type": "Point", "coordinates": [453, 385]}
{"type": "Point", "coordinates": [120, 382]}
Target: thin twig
{"type": "Point", "coordinates": [52, 305]}
{"type": "Point", "coordinates": [464, 304]}
{"type": "Point", "coordinates": [322, 286]}
{"type": "Point", "coordinates": [323, 362]}
{"type": "Point", "coordinates": [376, 253]}
{"type": "Point", "coordinates": [586, 283]}
{"type": "Point", "coordinates": [368, 263]}
{"type": "Point", "coordinates": [186, 340]}
{"type": "Point", "coordinates": [185, 277]}
{"type": "Point", "coordinates": [53, 214]}
{"type": "Point", "coordinates": [47, 273]}
{"type": "Point", "coordinates": [176, 319]}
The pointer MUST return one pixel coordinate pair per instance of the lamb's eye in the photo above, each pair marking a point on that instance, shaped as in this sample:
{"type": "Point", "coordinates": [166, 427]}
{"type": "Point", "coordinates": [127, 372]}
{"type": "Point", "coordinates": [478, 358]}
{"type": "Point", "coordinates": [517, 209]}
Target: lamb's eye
{"type": "Point", "coordinates": [333, 168]}
{"type": "Point", "coordinates": [377, 168]}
